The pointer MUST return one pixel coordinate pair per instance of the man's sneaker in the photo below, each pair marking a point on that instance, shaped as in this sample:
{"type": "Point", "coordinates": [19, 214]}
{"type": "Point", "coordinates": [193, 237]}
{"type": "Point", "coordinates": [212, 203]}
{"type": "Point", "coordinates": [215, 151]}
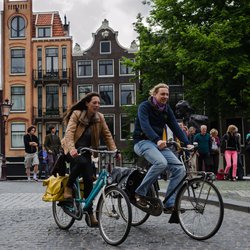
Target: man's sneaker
{"type": "Point", "coordinates": [168, 210]}
{"type": "Point", "coordinates": [140, 200]}
{"type": "Point", "coordinates": [35, 179]}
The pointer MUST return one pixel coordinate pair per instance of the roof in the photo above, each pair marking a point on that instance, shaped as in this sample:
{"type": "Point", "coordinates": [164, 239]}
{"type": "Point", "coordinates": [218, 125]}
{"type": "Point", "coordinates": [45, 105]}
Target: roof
{"type": "Point", "coordinates": [51, 19]}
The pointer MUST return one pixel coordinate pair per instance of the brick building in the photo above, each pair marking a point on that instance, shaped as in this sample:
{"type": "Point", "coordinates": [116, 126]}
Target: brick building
{"type": "Point", "coordinates": [36, 73]}
{"type": "Point", "coordinates": [100, 68]}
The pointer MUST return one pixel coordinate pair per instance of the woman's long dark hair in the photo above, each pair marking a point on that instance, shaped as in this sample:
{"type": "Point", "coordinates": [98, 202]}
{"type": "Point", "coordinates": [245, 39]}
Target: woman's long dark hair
{"type": "Point", "coordinates": [81, 105]}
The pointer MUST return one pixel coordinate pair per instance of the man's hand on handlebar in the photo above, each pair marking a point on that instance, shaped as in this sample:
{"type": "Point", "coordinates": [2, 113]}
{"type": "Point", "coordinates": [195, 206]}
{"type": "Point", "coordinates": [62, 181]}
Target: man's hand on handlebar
{"type": "Point", "coordinates": [161, 144]}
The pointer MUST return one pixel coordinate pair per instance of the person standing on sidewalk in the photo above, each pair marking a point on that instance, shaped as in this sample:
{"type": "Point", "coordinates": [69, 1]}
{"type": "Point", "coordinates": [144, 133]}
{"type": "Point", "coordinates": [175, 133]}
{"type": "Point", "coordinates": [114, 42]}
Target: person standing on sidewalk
{"type": "Point", "coordinates": [31, 158]}
{"type": "Point", "coordinates": [215, 150]}
{"type": "Point", "coordinates": [230, 147]}
{"type": "Point", "coordinates": [204, 148]}
{"type": "Point", "coordinates": [52, 144]}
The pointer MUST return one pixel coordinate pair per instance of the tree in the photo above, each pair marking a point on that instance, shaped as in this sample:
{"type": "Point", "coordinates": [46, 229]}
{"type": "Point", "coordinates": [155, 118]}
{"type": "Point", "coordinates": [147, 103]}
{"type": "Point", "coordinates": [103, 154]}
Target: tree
{"type": "Point", "coordinates": [206, 40]}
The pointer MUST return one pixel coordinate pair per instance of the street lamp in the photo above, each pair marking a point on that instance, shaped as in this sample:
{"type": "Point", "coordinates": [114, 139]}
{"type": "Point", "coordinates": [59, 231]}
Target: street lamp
{"type": "Point", "coordinates": [5, 111]}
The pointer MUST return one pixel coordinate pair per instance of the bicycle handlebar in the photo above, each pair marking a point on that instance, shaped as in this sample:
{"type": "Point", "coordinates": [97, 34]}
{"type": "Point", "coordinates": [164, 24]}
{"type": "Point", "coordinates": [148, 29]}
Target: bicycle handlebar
{"type": "Point", "coordinates": [84, 149]}
{"type": "Point", "coordinates": [193, 148]}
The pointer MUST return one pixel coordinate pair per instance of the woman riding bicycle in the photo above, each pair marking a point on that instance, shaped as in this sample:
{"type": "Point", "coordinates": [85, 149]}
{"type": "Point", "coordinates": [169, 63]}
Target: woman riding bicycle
{"type": "Point", "coordinates": [152, 117]}
{"type": "Point", "coordinates": [85, 127]}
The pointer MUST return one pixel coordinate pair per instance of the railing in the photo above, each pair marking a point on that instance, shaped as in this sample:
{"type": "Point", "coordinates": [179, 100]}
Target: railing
{"type": "Point", "coordinates": [51, 75]}
{"type": "Point", "coordinates": [45, 113]}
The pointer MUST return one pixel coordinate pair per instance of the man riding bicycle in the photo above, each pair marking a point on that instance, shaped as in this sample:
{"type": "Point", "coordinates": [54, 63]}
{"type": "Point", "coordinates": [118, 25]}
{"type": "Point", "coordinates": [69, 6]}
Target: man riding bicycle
{"type": "Point", "coordinates": [152, 117]}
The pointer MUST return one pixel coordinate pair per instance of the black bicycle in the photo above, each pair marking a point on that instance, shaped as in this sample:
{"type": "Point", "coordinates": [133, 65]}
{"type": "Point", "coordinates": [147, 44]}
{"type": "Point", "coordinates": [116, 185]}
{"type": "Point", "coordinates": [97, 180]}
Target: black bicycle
{"type": "Point", "coordinates": [199, 206]}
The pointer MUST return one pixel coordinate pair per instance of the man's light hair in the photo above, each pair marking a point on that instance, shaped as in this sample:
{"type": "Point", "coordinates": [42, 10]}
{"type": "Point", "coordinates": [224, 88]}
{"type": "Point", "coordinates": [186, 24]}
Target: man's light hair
{"type": "Point", "coordinates": [155, 89]}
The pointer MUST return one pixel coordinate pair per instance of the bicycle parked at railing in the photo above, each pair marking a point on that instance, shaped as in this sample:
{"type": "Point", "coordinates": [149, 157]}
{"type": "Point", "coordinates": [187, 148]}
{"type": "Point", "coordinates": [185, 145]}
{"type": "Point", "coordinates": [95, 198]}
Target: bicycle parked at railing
{"type": "Point", "coordinates": [198, 206]}
{"type": "Point", "coordinates": [112, 202]}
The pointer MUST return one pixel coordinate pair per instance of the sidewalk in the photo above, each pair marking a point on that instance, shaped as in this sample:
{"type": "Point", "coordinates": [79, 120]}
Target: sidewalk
{"type": "Point", "coordinates": [236, 195]}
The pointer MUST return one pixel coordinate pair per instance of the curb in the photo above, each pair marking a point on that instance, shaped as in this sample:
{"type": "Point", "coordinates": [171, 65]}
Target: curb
{"type": "Point", "coordinates": [229, 204]}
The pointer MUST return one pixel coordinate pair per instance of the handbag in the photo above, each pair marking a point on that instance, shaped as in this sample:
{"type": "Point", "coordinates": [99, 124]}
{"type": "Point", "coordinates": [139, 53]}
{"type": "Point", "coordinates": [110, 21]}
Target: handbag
{"type": "Point", "coordinates": [55, 188]}
{"type": "Point", "coordinates": [215, 146]}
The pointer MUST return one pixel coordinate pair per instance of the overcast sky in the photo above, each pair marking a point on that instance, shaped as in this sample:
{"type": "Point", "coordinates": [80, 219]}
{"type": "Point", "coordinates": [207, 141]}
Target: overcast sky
{"type": "Point", "coordinates": [86, 16]}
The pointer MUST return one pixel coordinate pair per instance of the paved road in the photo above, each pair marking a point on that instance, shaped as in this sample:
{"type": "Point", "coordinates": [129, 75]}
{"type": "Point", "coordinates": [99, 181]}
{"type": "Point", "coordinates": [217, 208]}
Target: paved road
{"type": "Point", "coordinates": [26, 222]}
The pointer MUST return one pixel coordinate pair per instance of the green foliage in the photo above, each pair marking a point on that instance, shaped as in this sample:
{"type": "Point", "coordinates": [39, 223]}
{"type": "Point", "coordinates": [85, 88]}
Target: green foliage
{"type": "Point", "coordinates": [206, 40]}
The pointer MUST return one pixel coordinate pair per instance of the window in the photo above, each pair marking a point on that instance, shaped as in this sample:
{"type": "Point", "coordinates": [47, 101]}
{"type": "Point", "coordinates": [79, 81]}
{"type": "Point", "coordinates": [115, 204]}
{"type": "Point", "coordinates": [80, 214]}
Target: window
{"type": "Point", "coordinates": [44, 32]}
{"type": "Point", "coordinates": [64, 62]}
{"type": "Point", "coordinates": [106, 68]}
{"type": "Point", "coordinates": [64, 97]}
{"type": "Point", "coordinates": [52, 101]}
{"type": "Point", "coordinates": [39, 62]}
{"type": "Point", "coordinates": [82, 90]}
{"type": "Point", "coordinates": [127, 94]}
{"type": "Point", "coordinates": [17, 133]}
{"type": "Point", "coordinates": [17, 61]}
{"type": "Point", "coordinates": [126, 70]}
{"type": "Point", "coordinates": [17, 27]}
{"type": "Point", "coordinates": [105, 47]}
{"type": "Point", "coordinates": [84, 68]}
{"type": "Point", "coordinates": [40, 132]}
{"type": "Point", "coordinates": [110, 120]}
{"type": "Point", "coordinates": [40, 100]}
{"type": "Point", "coordinates": [107, 94]}
{"type": "Point", "coordinates": [127, 126]}
{"type": "Point", "coordinates": [18, 98]}
{"type": "Point", "coordinates": [52, 61]}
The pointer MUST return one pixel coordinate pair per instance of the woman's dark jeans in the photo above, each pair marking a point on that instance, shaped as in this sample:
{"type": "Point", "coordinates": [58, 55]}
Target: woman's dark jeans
{"type": "Point", "coordinates": [81, 167]}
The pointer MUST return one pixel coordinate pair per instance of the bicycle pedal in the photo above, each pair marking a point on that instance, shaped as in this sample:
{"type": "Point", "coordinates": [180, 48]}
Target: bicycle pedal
{"type": "Point", "coordinates": [153, 206]}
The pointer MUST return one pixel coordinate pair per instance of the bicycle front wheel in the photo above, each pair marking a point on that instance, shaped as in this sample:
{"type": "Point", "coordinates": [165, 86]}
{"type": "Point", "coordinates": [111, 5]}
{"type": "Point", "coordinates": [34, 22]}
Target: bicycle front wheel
{"type": "Point", "coordinates": [200, 209]}
{"type": "Point", "coordinates": [63, 220]}
{"type": "Point", "coordinates": [111, 209]}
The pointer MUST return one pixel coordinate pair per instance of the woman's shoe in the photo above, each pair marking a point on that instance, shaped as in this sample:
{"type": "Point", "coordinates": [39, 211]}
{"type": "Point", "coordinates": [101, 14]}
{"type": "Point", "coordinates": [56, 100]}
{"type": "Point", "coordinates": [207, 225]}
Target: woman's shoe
{"type": "Point", "coordinates": [234, 179]}
{"type": "Point", "coordinates": [67, 193]}
{"type": "Point", "coordinates": [91, 220]}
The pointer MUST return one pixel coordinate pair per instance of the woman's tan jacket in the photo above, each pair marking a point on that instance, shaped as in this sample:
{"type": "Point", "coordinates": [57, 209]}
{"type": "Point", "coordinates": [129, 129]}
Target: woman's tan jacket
{"type": "Point", "coordinates": [76, 126]}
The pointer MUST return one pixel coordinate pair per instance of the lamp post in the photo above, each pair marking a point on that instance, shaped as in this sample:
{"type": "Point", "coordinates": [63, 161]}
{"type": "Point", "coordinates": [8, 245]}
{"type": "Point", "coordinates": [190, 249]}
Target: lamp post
{"type": "Point", "coordinates": [5, 111]}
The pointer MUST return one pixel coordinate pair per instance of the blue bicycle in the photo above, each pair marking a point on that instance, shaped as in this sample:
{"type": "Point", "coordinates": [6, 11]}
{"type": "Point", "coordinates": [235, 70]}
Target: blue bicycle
{"type": "Point", "coordinates": [113, 210]}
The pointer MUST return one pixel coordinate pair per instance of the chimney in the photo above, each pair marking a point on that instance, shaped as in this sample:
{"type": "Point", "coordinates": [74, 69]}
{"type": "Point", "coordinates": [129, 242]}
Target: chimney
{"type": "Point", "coordinates": [66, 26]}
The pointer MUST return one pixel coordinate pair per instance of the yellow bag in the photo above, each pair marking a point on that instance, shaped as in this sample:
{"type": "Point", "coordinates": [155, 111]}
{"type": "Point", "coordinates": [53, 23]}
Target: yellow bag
{"type": "Point", "coordinates": [55, 188]}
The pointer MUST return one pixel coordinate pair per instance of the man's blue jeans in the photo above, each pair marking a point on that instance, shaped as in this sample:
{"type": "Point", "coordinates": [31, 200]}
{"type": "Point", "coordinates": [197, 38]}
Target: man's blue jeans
{"type": "Point", "coordinates": [161, 160]}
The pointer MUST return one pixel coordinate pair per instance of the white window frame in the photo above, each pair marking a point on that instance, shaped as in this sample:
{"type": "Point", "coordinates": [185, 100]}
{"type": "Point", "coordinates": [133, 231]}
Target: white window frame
{"type": "Point", "coordinates": [99, 67]}
{"type": "Point", "coordinates": [120, 94]}
{"type": "Point", "coordinates": [111, 115]}
{"type": "Point", "coordinates": [105, 53]}
{"type": "Point", "coordinates": [22, 133]}
{"type": "Point", "coordinates": [121, 63]}
{"type": "Point", "coordinates": [132, 124]}
{"type": "Point", "coordinates": [83, 85]}
{"type": "Point", "coordinates": [107, 84]}
{"type": "Point", "coordinates": [77, 65]}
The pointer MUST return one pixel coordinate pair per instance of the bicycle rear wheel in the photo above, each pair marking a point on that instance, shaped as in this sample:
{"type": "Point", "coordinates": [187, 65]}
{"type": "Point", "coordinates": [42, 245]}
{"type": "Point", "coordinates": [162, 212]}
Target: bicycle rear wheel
{"type": "Point", "coordinates": [110, 213]}
{"type": "Point", "coordinates": [63, 220]}
{"type": "Point", "coordinates": [200, 209]}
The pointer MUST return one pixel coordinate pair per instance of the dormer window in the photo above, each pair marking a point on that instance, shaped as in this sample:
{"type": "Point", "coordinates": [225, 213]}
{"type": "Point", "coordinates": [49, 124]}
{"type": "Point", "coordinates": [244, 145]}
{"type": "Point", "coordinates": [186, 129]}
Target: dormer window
{"type": "Point", "coordinates": [105, 47]}
{"type": "Point", "coordinates": [17, 27]}
{"type": "Point", "coordinates": [44, 31]}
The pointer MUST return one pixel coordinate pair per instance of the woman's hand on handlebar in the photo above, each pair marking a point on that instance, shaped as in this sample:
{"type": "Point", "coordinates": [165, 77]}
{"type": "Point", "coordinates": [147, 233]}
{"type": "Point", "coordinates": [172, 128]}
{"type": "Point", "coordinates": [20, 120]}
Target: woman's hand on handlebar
{"type": "Point", "coordinates": [74, 153]}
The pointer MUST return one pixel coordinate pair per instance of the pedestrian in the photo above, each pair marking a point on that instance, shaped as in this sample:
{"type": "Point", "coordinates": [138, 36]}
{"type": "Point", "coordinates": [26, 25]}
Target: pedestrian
{"type": "Point", "coordinates": [191, 134]}
{"type": "Point", "coordinates": [43, 162]}
{"type": "Point", "coordinates": [240, 170]}
{"type": "Point", "coordinates": [215, 150]}
{"type": "Point", "coordinates": [150, 122]}
{"type": "Point", "coordinates": [31, 159]}
{"type": "Point", "coordinates": [52, 144]}
{"type": "Point", "coordinates": [204, 147]}
{"type": "Point", "coordinates": [85, 127]}
{"type": "Point", "coordinates": [230, 147]}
